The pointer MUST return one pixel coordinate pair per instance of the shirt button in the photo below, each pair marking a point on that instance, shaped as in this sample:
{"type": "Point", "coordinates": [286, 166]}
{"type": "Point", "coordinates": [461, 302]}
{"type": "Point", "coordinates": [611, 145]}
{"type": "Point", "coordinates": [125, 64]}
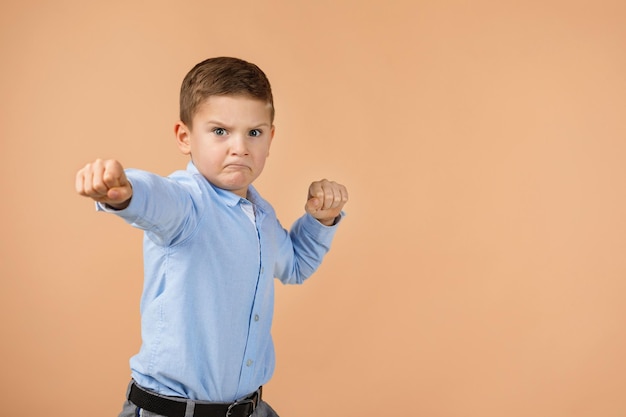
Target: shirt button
{"type": "Point", "coordinates": [249, 362]}
{"type": "Point", "coordinates": [262, 270]}
{"type": "Point", "coordinates": [256, 317]}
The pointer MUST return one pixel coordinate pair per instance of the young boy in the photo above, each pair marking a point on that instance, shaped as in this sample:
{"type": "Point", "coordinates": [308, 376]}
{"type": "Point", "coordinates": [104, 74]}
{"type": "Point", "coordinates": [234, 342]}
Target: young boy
{"type": "Point", "coordinates": [212, 247]}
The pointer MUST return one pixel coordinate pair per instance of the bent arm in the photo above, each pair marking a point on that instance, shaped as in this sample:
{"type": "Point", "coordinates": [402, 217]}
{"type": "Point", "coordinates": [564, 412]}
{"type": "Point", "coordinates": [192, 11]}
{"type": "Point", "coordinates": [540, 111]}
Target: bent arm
{"type": "Point", "coordinates": [303, 249]}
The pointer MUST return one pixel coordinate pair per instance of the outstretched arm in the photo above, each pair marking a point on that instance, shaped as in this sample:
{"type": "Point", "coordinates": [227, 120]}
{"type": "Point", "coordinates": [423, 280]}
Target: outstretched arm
{"type": "Point", "coordinates": [104, 181]}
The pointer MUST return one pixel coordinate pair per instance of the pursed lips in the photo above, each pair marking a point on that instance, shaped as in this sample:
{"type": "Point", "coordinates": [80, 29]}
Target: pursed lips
{"type": "Point", "coordinates": [237, 166]}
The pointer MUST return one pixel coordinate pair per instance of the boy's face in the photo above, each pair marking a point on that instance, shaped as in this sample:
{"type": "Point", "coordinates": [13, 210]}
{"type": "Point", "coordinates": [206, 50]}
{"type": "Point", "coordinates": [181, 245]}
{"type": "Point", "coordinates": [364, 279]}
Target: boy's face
{"type": "Point", "coordinates": [229, 140]}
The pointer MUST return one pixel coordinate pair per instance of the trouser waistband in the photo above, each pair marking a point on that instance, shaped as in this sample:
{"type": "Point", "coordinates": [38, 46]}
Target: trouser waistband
{"type": "Point", "coordinates": [174, 407]}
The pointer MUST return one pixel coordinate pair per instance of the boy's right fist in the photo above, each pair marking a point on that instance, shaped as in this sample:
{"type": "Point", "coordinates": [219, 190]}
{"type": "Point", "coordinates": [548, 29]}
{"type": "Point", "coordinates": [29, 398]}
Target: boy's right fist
{"type": "Point", "coordinates": [105, 181]}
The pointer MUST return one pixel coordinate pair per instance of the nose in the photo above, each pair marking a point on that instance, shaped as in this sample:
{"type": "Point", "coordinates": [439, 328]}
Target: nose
{"type": "Point", "coordinates": [238, 145]}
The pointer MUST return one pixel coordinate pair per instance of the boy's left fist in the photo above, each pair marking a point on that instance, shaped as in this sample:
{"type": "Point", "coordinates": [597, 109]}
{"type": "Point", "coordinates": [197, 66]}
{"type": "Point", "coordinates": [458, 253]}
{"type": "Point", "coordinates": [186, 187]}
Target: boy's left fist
{"type": "Point", "coordinates": [325, 201]}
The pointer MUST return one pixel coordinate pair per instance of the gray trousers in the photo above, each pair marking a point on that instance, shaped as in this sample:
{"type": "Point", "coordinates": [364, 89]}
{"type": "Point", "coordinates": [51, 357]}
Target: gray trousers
{"type": "Point", "coordinates": [131, 410]}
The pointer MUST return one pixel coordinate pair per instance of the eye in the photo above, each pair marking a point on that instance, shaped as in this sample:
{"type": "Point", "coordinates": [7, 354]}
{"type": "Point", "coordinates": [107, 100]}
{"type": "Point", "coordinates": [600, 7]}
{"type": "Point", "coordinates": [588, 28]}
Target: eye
{"type": "Point", "coordinates": [255, 133]}
{"type": "Point", "coordinates": [219, 131]}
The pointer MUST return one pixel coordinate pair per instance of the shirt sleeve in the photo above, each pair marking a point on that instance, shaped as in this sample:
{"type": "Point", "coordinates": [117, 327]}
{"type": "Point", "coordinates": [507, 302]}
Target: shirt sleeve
{"type": "Point", "coordinates": [304, 248]}
{"type": "Point", "coordinates": [161, 206]}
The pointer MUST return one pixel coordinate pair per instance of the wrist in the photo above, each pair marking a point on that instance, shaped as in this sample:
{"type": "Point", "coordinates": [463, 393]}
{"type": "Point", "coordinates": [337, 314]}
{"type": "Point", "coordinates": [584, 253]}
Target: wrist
{"type": "Point", "coordinates": [329, 222]}
{"type": "Point", "coordinates": [118, 206]}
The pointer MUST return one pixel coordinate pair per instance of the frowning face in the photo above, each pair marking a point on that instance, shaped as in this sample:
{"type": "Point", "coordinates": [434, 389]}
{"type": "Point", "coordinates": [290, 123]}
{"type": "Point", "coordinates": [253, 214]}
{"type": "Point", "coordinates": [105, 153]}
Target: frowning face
{"type": "Point", "coordinates": [229, 140]}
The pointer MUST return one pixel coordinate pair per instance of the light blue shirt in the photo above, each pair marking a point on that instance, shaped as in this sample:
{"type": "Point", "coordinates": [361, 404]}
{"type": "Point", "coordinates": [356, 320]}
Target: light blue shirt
{"type": "Point", "coordinates": [208, 297]}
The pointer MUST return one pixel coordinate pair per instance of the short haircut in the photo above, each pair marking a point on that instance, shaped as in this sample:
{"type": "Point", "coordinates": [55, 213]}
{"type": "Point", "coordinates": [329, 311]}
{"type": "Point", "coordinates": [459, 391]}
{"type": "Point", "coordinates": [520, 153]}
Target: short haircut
{"type": "Point", "coordinates": [222, 76]}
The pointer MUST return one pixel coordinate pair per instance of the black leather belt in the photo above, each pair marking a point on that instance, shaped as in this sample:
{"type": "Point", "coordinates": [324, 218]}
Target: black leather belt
{"type": "Point", "coordinates": [176, 408]}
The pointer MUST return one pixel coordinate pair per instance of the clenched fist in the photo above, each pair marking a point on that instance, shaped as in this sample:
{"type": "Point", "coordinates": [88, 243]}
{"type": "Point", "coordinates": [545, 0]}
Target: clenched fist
{"type": "Point", "coordinates": [325, 201]}
{"type": "Point", "coordinates": [105, 181]}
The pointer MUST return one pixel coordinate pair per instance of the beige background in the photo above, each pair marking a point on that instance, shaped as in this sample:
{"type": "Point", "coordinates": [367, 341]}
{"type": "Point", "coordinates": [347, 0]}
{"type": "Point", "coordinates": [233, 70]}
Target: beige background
{"type": "Point", "coordinates": [481, 269]}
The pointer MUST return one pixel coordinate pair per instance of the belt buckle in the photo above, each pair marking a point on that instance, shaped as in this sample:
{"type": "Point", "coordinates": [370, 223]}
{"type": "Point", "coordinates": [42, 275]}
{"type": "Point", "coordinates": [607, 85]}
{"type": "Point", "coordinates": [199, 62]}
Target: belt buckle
{"type": "Point", "coordinates": [244, 401]}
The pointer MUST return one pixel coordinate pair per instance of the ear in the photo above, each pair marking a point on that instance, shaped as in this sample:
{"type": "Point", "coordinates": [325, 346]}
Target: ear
{"type": "Point", "coordinates": [183, 138]}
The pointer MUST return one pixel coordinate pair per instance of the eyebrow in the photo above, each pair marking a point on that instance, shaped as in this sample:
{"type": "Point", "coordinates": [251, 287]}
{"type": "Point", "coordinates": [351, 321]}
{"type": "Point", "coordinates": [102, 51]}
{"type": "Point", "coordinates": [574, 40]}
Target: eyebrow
{"type": "Point", "coordinates": [220, 123]}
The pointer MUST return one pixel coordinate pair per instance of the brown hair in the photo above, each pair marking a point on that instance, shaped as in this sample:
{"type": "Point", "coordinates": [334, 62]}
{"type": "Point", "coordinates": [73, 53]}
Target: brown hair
{"type": "Point", "coordinates": [222, 76]}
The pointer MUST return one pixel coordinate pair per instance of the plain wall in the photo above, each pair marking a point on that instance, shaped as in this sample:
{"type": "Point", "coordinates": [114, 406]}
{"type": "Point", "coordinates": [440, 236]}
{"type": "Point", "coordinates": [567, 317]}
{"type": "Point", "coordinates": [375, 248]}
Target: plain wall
{"type": "Point", "coordinates": [480, 271]}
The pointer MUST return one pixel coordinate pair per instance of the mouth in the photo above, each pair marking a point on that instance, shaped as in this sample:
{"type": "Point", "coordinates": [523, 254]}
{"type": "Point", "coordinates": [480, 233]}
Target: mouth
{"type": "Point", "coordinates": [236, 166]}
